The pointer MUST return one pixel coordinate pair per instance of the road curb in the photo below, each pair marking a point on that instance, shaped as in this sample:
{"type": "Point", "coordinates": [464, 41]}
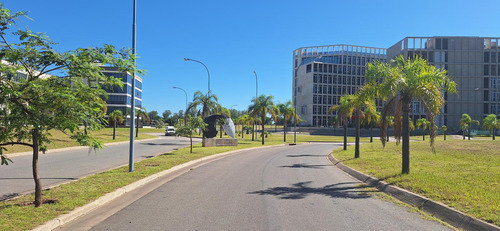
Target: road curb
{"type": "Point", "coordinates": [80, 211]}
{"type": "Point", "coordinates": [441, 211]}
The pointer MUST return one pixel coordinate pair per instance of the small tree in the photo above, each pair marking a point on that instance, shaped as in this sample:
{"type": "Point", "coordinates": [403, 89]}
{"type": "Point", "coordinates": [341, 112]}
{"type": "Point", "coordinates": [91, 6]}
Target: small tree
{"type": "Point", "coordinates": [115, 117]}
{"type": "Point", "coordinates": [444, 128]}
{"type": "Point", "coordinates": [143, 114]}
{"type": "Point", "coordinates": [422, 122]}
{"type": "Point", "coordinates": [263, 105]}
{"type": "Point", "coordinates": [40, 102]}
{"type": "Point", "coordinates": [287, 112]}
{"type": "Point", "coordinates": [344, 112]}
{"type": "Point", "coordinates": [189, 129]}
{"type": "Point", "coordinates": [491, 123]}
{"type": "Point", "coordinates": [466, 124]}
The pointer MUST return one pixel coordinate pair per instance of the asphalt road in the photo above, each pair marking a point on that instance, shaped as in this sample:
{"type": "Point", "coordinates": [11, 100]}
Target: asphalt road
{"type": "Point", "coordinates": [279, 188]}
{"type": "Point", "coordinates": [57, 167]}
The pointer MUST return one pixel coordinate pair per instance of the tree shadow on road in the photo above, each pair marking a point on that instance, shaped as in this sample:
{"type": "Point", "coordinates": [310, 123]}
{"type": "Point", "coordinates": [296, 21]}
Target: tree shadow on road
{"type": "Point", "coordinates": [302, 165]}
{"type": "Point", "coordinates": [301, 190]}
{"type": "Point", "coordinates": [305, 155]}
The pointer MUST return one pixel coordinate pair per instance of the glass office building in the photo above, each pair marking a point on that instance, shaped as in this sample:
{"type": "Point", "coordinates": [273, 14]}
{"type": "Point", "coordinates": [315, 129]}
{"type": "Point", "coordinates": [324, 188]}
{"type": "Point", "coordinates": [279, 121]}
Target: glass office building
{"type": "Point", "coordinates": [321, 75]}
{"type": "Point", "coordinates": [120, 98]}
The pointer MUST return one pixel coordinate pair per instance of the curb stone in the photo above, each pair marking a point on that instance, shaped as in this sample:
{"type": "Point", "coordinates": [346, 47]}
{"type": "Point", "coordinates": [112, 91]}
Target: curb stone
{"type": "Point", "coordinates": [447, 214]}
{"type": "Point", "coordinates": [85, 209]}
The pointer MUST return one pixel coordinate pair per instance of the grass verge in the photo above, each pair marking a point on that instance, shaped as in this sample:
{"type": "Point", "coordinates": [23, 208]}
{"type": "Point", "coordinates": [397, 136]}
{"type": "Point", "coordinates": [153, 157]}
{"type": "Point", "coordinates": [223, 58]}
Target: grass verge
{"type": "Point", "coordinates": [19, 214]}
{"type": "Point", "coordinates": [462, 174]}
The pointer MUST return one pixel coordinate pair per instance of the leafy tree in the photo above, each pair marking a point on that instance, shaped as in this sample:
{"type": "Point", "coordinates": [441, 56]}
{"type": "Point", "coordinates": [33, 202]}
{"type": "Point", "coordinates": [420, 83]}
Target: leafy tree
{"type": "Point", "coordinates": [465, 123]}
{"type": "Point", "coordinates": [189, 129]}
{"type": "Point", "coordinates": [115, 117]}
{"type": "Point", "coordinates": [422, 122]}
{"type": "Point", "coordinates": [154, 116]}
{"type": "Point", "coordinates": [344, 111]}
{"type": "Point", "coordinates": [287, 112]}
{"type": "Point", "coordinates": [263, 105]}
{"type": "Point", "coordinates": [444, 128]}
{"type": "Point", "coordinates": [244, 121]}
{"type": "Point", "coordinates": [166, 114]}
{"type": "Point", "coordinates": [491, 123]}
{"type": "Point", "coordinates": [59, 91]}
{"type": "Point", "coordinates": [398, 83]}
{"type": "Point", "coordinates": [143, 115]}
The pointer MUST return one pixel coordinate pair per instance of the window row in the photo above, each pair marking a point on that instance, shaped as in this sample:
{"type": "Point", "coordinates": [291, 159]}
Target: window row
{"type": "Point", "coordinates": [337, 79]}
{"type": "Point", "coordinates": [336, 69]}
{"type": "Point", "coordinates": [321, 110]}
{"type": "Point", "coordinates": [329, 89]}
{"type": "Point", "coordinates": [491, 70]}
{"type": "Point", "coordinates": [326, 99]}
{"type": "Point", "coordinates": [493, 83]}
{"type": "Point", "coordinates": [491, 57]}
{"type": "Point", "coordinates": [320, 121]}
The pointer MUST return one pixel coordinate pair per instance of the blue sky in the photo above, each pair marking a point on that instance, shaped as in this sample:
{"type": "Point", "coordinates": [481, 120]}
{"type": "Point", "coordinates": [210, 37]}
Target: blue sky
{"type": "Point", "coordinates": [235, 38]}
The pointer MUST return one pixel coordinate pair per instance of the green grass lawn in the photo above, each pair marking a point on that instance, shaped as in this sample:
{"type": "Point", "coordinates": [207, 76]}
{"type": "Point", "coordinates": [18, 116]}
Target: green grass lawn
{"type": "Point", "coordinates": [462, 174]}
{"type": "Point", "coordinates": [19, 214]}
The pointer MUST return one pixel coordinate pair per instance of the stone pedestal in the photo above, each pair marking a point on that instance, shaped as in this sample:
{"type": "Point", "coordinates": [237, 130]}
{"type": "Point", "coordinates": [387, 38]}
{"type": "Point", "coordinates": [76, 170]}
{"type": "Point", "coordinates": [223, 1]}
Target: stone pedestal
{"type": "Point", "coordinates": [210, 142]}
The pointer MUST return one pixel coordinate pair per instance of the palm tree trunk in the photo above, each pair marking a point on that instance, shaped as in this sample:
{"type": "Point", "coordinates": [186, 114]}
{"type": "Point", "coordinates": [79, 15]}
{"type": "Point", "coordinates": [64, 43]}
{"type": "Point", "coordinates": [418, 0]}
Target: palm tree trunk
{"type": "Point", "coordinates": [242, 131]}
{"type": "Point", "coordinates": [263, 118]}
{"type": "Point", "coordinates": [137, 127]}
{"type": "Point", "coordinates": [358, 128]}
{"type": "Point", "coordinates": [253, 130]}
{"type": "Point", "coordinates": [220, 130]}
{"type": "Point", "coordinates": [284, 131]}
{"type": "Point", "coordinates": [406, 136]}
{"type": "Point", "coordinates": [371, 132]}
{"type": "Point", "coordinates": [191, 139]}
{"type": "Point", "coordinates": [114, 130]}
{"type": "Point", "coordinates": [470, 128]}
{"type": "Point", "coordinates": [423, 132]}
{"type": "Point", "coordinates": [494, 131]}
{"type": "Point", "coordinates": [444, 135]}
{"type": "Point", "coordinates": [345, 134]}
{"type": "Point", "coordinates": [36, 176]}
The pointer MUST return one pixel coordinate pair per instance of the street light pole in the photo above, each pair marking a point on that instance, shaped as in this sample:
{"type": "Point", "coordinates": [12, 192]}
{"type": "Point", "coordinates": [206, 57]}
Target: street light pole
{"type": "Point", "coordinates": [208, 72]}
{"type": "Point", "coordinates": [256, 98]}
{"type": "Point", "coordinates": [132, 114]}
{"type": "Point", "coordinates": [185, 112]}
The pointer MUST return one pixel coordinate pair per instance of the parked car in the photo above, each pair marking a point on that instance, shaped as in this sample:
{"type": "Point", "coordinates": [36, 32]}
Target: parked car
{"type": "Point", "coordinates": [169, 131]}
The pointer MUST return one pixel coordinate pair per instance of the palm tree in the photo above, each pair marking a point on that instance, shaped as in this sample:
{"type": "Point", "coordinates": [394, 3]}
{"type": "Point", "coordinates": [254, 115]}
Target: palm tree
{"type": "Point", "coordinates": [491, 123]}
{"type": "Point", "coordinates": [422, 122]}
{"type": "Point", "coordinates": [116, 117]}
{"type": "Point", "coordinates": [287, 111]}
{"type": "Point", "coordinates": [244, 120]}
{"type": "Point", "coordinates": [398, 83]}
{"type": "Point", "coordinates": [219, 109]}
{"type": "Point", "coordinates": [207, 102]}
{"type": "Point", "coordinates": [143, 114]}
{"type": "Point", "coordinates": [344, 111]}
{"type": "Point", "coordinates": [263, 105]}
{"type": "Point", "coordinates": [466, 124]}
{"type": "Point", "coordinates": [372, 118]}
{"type": "Point", "coordinates": [444, 128]}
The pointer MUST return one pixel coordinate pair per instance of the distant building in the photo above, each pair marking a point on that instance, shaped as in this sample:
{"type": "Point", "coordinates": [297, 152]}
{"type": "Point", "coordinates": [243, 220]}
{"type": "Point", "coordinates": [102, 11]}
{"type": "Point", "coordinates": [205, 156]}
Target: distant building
{"type": "Point", "coordinates": [120, 98]}
{"type": "Point", "coordinates": [472, 62]}
{"type": "Point", "coordinates": [321, 75]}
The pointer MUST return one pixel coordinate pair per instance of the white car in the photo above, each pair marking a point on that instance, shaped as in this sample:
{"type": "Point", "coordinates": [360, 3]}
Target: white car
{"type": "Point", "coordinates": [170, 131]}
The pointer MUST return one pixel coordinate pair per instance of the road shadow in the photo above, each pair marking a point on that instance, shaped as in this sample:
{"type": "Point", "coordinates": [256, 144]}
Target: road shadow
{"type": "Point", "coordinates": [42, 178]}
{"type": "Point", "coordinates": [301, 190]}
{"type": "Point", "coordinates": [305, 155]}
{"type": "Point", "coordinates": [302, 165]}
{"type": "Point", "coordinates": [163, 144]}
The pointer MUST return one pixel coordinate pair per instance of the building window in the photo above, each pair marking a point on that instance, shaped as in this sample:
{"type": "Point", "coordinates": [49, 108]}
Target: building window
{"type": "Point", "coordinates": [415, 107]}
{"type": "Point", "coordinates": [308, 68]}
{"type": "Point", "coordinates": [486, 69]}
{"type": "Point", "coordinates": [486, 57]}
{"type": "Point", "coordinates": [303, 110]}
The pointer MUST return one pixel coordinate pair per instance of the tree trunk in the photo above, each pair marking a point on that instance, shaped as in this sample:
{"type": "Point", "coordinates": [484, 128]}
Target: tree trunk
{"type": "Point", "coordinates": [36, 177]}
{"type": "Point", "coordinates": [463, 134]}
{"type": "Point", "coordinates": [191, 139]}
{"type": "Point", "coordinates": [253, 130]}
{"type": "Point", "coordinates": [470, 128]}
{"type": "Point", "coordinates": [406, 136]}
{"type": "Point", "coordinates": [137, 127]}
{"type": "Point", "coordinates": [387, 134]}
{"type": "Point", "coordinates": [494, 131]}
{"type": "Point", "coordinates": [444, 135]}
{"type": "Point", "coordinates": [242, 131]}
{"type": "Point", "coordinates": [423, 132]}
{"type": "Point", "coordinates": [345, 134]}
{"type": "Point", "coordinates": [220, 130]}
{"type": "Point", "coordinates": [284, 131]}
{"type": "Point", "coordinates": [263, 118]}
{"type": "Point", "coordinates": [114, 130]}
{"type": "Point", "coordinates": [358, 128]}
{"type": "Point", "coordinates": [371, 132]}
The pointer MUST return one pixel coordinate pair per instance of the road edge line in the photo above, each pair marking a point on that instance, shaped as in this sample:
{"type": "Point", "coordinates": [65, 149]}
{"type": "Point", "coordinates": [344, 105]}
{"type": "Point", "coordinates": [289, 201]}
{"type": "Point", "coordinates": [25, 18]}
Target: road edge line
{"type": "Point", "coordinates": [441, 211]}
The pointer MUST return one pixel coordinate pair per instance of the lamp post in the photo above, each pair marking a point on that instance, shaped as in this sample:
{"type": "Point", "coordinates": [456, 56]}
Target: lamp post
{"type": "Point", "coordinates": [256, 99]}
{"type": "Point", "coordinates": [132, 115]}
{"type": "Point", "coordinates": [185, 112]}
{"type": "Point", "coordinates": [208, 72]}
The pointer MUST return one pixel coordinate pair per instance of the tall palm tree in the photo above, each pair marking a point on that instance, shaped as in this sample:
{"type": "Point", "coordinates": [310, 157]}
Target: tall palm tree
{"type": "Point", "coordinates": [398, 83]}
{"type": "Point", "coordinates": [491, 123]}
{"type": "Point", "coordinates": [466, 124]}
{"type": "Point", "coordinates": [244, 120]}
{"type": "Point", "coordinates": [262, 106]}
{"type": "Point", "coordinates": [344, 111]}
{"type": "Point", "coordinates": [208, 104]}
{"type": "Point", "coordinates": [219, 109]}
{"type": "Point", "coordinates": [116, 117]}
{"type": "Point", "coordinates": [422, 122]}
{"type": "Point", "coordinates": [287, 112]}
